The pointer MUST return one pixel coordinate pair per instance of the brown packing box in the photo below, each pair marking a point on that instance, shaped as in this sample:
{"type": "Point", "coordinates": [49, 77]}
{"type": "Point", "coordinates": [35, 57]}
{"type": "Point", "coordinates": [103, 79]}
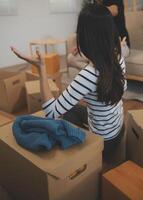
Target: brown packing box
{"type": "Point", "coordinates": [12, 90]}
{"type": "Point", "coordinates": [134, 145]}
{"type": "Point", "coordinates": [123, 183]}
{"type": "Point", "coordinates": [5, 118]}
{"type": "Point", "coordinates": [33, 94]}
{"type": "Point", "coordinates": [71, 174]}
{"type": "Point", "coordinates": [55, 77]}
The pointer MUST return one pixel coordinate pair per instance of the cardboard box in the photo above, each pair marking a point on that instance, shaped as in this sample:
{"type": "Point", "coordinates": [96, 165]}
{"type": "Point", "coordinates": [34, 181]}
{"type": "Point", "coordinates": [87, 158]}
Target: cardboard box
{"type": "Point", "coordinates": [33, 94]}
{"type": "Point", "coordinates": [123, 183]}
{"type": "Point", "coordinates": [5, 118]}
{"type": "Point", "coordinates": [134, 145]}
{"type": "Point", "coordinates": [55, 77]}
{"type": "Point", "coordinates": [52, 62]}
{"type": "Point", "coordinates": [71, 174]}
{"type": "Point", "coordinates": [12, 90]}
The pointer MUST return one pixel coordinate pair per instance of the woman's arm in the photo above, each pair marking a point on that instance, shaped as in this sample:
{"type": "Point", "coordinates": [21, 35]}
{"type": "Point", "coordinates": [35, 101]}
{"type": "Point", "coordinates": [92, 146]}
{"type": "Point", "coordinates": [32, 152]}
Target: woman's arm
{"type": "Point", "coordinates": [39, 63]}
{"type": "Point", "coordinates": [84, 83]}
{"type": "Point", "coordinates": [46, 93]}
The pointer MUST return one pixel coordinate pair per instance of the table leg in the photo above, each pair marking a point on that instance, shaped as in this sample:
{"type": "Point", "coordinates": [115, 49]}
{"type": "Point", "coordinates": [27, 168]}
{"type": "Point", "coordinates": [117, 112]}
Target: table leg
{"type": "Point", "coordinates": [46, 49]}
{"type": "Point", "coordinates": [30, 48]}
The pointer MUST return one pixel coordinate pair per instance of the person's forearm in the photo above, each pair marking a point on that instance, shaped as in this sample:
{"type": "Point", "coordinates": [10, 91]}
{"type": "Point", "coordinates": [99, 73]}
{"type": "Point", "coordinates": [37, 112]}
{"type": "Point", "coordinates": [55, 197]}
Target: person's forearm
{"type": "Point", "coordinates": [46, 93]}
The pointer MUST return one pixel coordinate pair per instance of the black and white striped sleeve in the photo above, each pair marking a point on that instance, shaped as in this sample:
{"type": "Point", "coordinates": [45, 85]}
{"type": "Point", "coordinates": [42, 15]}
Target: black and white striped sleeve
{"type": "Point", "coordinates": [84, 83]}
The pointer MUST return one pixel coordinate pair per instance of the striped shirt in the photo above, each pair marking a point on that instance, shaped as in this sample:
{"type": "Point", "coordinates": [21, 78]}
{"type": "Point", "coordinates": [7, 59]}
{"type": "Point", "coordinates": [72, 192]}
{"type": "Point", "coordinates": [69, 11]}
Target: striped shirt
{"type": "Point", "coordinates": [105, 120]}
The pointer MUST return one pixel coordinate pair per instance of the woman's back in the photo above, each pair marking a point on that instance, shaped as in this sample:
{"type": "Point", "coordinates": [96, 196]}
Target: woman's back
{"type": "Point", "coordinates": [104, 119]}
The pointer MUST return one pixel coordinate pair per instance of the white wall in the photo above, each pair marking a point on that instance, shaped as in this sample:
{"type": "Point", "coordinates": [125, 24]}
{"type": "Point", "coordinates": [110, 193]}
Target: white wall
{"type": "Point", "coordinates": [33, 21]}
{"type": "Point", "coordinates": [134, 21]}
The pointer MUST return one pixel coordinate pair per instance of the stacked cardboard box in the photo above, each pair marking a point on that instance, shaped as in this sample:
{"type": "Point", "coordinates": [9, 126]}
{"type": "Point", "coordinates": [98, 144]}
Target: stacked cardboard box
{"type": "Point", "coordinates": [55, 77]}
{"type": "Point", "coordinates": [56, 175]}
{"type": "Point", "coordinates": [12, 90]}
{"type": "Point", "coordinates": [123, 183]}
{"type": "Point", "coordinates": [12, 94]}
{"type": "Point", "coordinates": [134, 146]}
{"type": "Point", "coordinates": [33, 94]}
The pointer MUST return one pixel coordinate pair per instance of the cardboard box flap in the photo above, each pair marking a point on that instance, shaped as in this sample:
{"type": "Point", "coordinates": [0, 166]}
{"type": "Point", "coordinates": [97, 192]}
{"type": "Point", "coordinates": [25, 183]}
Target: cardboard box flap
{"type": "Point", "coordinates": [5, 74]}
{"type": "Point", "coordinates": [137, 117]}
{"type": "Point", "coordinates": [58, 163]}
{"type": "Point", "coordinates": [30, 76]}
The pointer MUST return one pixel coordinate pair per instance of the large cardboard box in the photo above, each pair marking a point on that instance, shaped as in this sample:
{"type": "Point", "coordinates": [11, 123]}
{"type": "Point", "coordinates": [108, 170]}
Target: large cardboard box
{"type": "Point", "coordinates": [55, 77]}
{"type": "Point", "coordinates": [5, 118]}
{"type": "Point", "coordinates": [123, 183]}
{"type": "Point", "coordinates": [33, 94]}
{"type": "Point", "coordinates": [71, 174]}
{"type": "Point", "coordinates": [11, 91]}
{"type": "Point", "coordinates": [134, 145]}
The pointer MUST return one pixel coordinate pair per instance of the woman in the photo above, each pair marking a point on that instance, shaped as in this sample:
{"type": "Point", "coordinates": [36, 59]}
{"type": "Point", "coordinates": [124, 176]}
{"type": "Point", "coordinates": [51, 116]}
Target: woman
{"type": "Point", "coordinates": [101, 83]}
{"type": "Point", "coordinates": [117, 9]}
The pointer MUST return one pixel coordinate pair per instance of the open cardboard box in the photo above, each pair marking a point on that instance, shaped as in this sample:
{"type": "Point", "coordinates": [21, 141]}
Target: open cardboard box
{"type": "Point", "coordinates": [12, 90]}
{"type": "Point", "coordinates": [134, 146]}
{"type": "Point", "coordinates": [71, 174]}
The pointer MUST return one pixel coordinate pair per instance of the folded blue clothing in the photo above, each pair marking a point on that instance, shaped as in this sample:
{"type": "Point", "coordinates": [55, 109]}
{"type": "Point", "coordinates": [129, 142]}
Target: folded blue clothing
{"type": "Point", "coordinates": [36, 133]}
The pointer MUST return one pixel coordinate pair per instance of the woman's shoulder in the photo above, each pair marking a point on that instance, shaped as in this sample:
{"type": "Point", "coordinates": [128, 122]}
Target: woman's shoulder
{"type": "Point", "coordinates": [90, 69]}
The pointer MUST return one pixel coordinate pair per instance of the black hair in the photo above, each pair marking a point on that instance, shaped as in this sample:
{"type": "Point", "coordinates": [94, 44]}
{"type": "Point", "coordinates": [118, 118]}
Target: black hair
{"type": "Point", "coordinates": [98, 40]}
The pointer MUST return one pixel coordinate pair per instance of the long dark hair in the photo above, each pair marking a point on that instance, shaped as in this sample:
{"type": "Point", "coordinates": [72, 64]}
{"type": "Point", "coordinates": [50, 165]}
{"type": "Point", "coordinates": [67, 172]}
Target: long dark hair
{"type": "Point", "coordinates": [98, 40]}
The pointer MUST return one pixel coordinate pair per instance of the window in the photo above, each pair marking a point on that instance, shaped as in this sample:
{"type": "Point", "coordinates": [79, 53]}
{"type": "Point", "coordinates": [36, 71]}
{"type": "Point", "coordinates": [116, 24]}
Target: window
{"type": "Point", "coordinates": [8, 7]}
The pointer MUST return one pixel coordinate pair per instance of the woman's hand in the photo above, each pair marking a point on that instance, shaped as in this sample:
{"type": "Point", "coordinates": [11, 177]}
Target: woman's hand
{"type": "Point", "coordinates": [124, 47]}
{"type": "Point", "coordinates": [74, 51]}
{"type": "Point", "coordinates": [123, 41]}
{"type": "Point", "coordinates": [38, 61]}
{"type": "Point", "coordinates": [113, 9]}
